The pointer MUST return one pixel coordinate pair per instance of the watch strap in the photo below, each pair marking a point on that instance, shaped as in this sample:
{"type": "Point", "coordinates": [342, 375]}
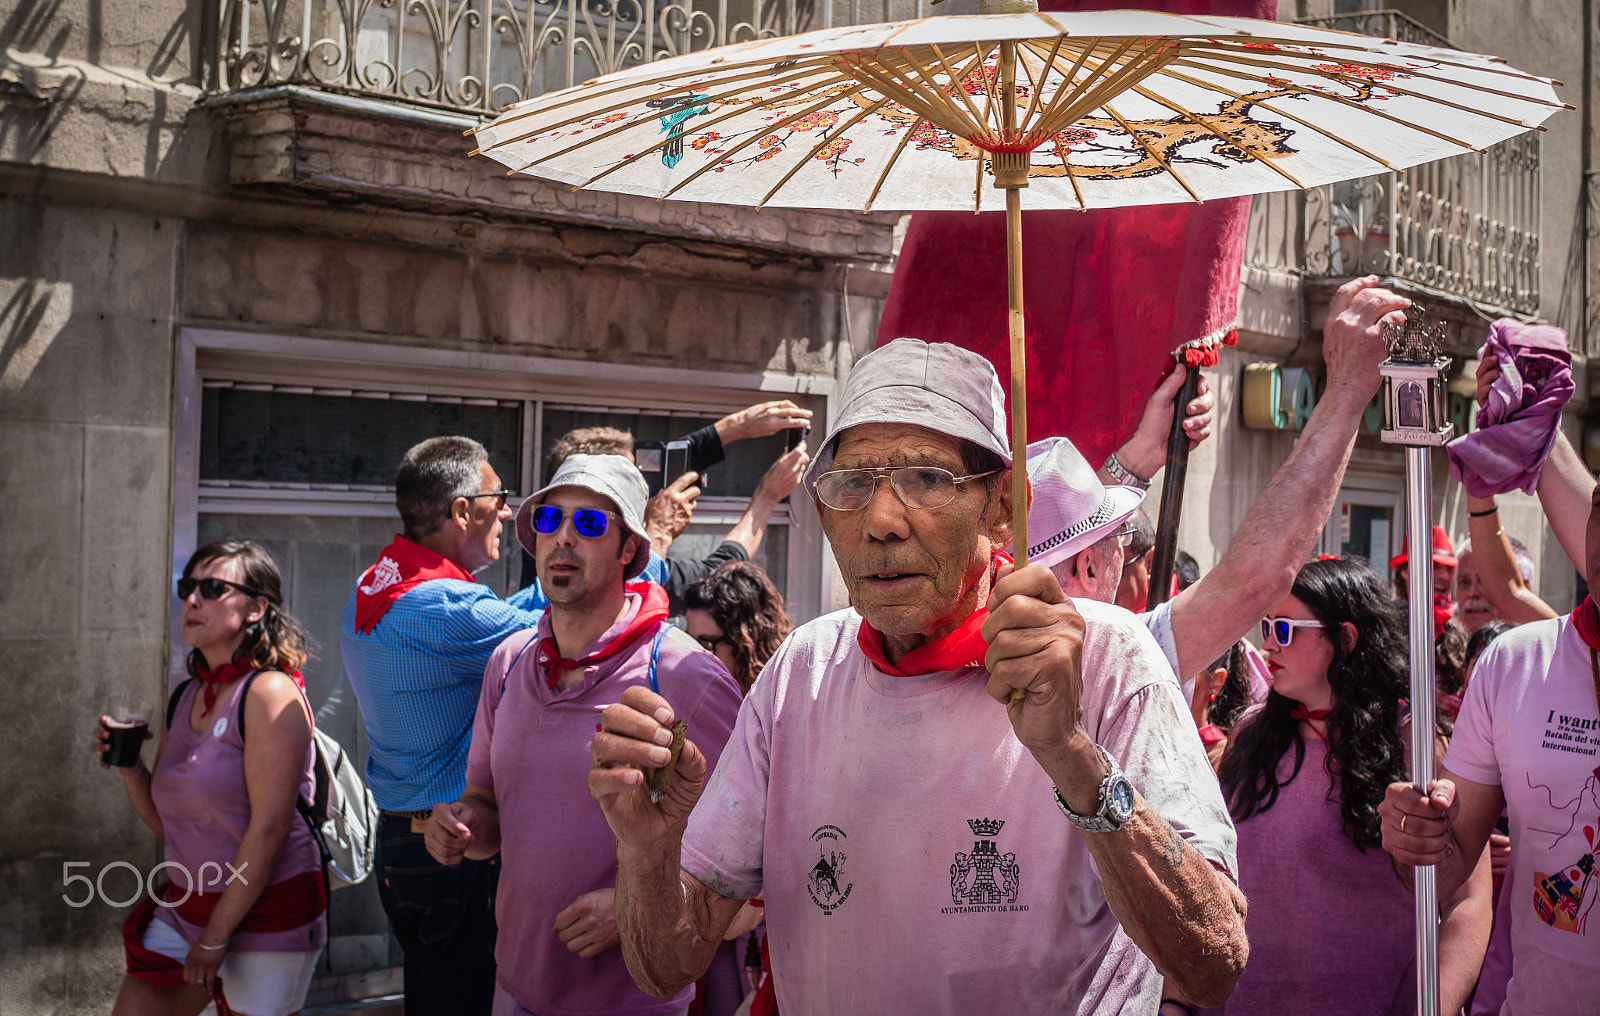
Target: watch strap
{"type": "Point", "coordinates": [1122, 474]}
{"type": "Point", "coordinates": [1102, 821]}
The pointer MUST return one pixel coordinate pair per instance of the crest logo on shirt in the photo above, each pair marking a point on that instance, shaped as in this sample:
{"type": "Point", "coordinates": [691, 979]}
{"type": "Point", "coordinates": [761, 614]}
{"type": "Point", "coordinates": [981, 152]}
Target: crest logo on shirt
{"type": "Point", "coordinates": [826, 879]}
{"type": "Point", "coordinates": [984, 880]}
{"type": "Point", "coordinates": [384, 574]}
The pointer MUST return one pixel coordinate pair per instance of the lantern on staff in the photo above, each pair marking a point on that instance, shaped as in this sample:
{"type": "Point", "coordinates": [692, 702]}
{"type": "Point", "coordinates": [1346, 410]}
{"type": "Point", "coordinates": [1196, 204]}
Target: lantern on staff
{"type": "Point", "coordinates": [1414, 415]}
{"type": "Point", "coordinates": [1414, 395]}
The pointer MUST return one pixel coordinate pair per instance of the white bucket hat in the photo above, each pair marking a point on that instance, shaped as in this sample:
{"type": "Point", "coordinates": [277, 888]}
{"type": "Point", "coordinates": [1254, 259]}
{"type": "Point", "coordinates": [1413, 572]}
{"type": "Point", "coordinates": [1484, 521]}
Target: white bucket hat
{"type": "Point", "coordinates": [935, 385]}
{"type": "Point", "coordinates": [610, 476]}
{"type": "Point", "coordinates": [1072, 509]}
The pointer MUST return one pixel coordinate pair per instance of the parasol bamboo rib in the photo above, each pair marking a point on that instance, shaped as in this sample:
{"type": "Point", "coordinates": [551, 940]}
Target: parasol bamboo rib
{"type": "Point", "coordinates": [1109, 87]}
{"type": "Point", "coordinates": [1344, 101]}
{"type": "Point", "coordinates": [1044, 74]}
{"type": "Point", "coordinates": [1380, 160]}
{"type": "Point", "coordinates": [1067, 81]}
{"type": "Point", "coordinates": [1345, 78]}
{"type": "Point", "coordinates": [910, 73]}
{"type": "Point", "coordinates": [1224, 135]}
{"type": "Point", "coordinates": [1152, 153]}
{"type": "Point", "coordinates": [753, 138]}
{"type": "Point", "coordinates": [949, 117]}
{"type": "Point", "coordinates": [990, 82]}
{"type": "Point", "coordinates": [1072, 90]}
{"type": "Point", "coordinates": [1205, 46]}
{"type": "Point", "coordinates": [820, 145]}
{"type": "Point", "coordinates": [610, 132]}
{"type": "Point", "coordinates": [889, 164]}
{"type": "Point", "coordinates": [958, 93]}
{"type": "Point", "coordinates": [819, 64]}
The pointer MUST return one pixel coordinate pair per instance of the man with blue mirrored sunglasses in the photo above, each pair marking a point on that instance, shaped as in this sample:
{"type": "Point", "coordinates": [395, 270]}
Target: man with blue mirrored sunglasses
{"type": "Point", "coordinates": [543, 691]}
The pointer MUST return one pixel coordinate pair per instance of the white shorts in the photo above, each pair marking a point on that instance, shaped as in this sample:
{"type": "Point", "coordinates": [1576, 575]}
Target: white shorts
{"type": "Point", "coordinates": [256, 983]}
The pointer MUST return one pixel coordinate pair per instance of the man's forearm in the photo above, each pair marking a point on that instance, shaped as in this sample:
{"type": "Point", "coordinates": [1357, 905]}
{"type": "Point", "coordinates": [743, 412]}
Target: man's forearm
{"type": "Point", "coordinates": [752, 525]}
{"type": "Point", "coordinates": [666, 928]}
{"type": "Point", "coordinates": [1502, 582]}
{"type": "Point", "coordinates": [1464, 922]}
{"type": "Point", "coordinates": [1278, 532]}
{"type": "Point", "coordinates": [1182, 912]}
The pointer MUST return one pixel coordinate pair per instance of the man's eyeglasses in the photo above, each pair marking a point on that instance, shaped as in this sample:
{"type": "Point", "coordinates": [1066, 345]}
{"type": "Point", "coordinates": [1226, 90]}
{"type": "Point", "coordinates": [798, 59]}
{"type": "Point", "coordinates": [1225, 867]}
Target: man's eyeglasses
{"type": "Point", "coordinates": [711, 643]}
{"type": "Point", "coordinates": [211, 589]}
{"type": "Point", "coordinates": [499, 496]}
{"type": "Point", "coordinates": [1282, 628]}
{"type": "Point", "coordinates": [590, 522]}
{"type": "Point", "coordinates": [924, 487]}
{"type": "Point", "coordinates": [1125, 535]}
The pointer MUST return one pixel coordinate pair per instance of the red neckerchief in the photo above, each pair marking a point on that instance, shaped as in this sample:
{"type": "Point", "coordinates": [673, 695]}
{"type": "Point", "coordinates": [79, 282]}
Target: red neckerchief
{"type": "Point", "coordinates": [229, 672]}
{"type": "Point", "coordinates": [652, 611]}
{"type": "Point", "coordinates": [963, 647]}
{"type": "Point", "coordinates": [1300, 712]}
{"type": "Point", "coordinates": [1210, 734]}
{"type": "Point", "coordinates": [1586, 619]}
{"type": "Point", "coordinates": [401, 566]}
{"type": "Point", "coordinates": [283, 906]}
{"type": "Point", "coordinates": [226, 674]}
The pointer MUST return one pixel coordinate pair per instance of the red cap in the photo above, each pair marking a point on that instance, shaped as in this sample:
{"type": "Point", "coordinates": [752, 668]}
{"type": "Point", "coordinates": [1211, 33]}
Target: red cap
{"type": "Point", "coordinates": [1443, 552]}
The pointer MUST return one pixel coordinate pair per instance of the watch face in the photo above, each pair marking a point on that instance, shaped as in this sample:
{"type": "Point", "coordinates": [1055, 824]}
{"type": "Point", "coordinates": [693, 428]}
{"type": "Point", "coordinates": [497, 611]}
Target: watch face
{"type": "Point", "coordinates": [1121, 799]}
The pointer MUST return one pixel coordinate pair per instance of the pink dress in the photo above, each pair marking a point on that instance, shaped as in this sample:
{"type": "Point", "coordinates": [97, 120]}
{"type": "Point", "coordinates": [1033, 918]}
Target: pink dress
{"type": "Point", "coordinates": [200, 793]}
{"type": "Point", "coordinates": [1330, 926]}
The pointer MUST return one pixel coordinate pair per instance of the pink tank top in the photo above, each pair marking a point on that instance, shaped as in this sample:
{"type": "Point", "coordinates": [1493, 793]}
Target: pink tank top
{"type": "Point", "coordinates": [200, 793]}
{"type": "Point", "coordinates": [1330, 926]}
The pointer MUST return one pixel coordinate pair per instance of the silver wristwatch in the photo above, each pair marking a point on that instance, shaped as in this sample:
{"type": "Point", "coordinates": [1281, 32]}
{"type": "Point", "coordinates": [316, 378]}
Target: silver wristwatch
{"type": "Point", "coordinates": [1119, 472]}
{"type": "Point", "coordinates": [1116, 800]}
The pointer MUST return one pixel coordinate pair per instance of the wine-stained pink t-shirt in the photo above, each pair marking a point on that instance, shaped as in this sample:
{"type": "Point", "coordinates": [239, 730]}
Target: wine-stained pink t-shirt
{"type": "Point", "coordinates": [910, 848]}
{"type": "Point", "coordinates": [1529, 723]}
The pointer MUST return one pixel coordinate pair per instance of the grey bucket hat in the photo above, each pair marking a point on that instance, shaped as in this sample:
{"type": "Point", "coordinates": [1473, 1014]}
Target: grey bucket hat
{"type": "Point", "coordinates": [610, 476]}
{"type": "Point", "coordinates": [935, 385]}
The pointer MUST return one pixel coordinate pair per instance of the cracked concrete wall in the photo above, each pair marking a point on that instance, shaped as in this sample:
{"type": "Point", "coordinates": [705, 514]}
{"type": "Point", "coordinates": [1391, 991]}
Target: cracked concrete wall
{"type": "Point", "coordinates": [85, 480]}
{"type": "Point", "coordinates": [159, 37]}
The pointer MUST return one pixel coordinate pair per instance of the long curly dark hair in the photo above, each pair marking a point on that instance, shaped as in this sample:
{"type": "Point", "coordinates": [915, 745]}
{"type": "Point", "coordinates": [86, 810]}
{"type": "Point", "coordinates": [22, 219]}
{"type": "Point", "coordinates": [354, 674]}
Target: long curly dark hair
{"type": "Point", "coordinates": [749, 610]}
{"type": "Point", "coordinates": [276, 641]}
{"type": "Point", "coordinates": [1366, 751]}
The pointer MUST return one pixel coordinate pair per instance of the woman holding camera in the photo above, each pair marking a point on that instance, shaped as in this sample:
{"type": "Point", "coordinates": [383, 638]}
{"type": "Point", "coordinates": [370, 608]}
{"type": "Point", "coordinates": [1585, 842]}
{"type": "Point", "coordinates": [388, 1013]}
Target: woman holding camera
{"type": "Point", "coordinates": [245, 901]}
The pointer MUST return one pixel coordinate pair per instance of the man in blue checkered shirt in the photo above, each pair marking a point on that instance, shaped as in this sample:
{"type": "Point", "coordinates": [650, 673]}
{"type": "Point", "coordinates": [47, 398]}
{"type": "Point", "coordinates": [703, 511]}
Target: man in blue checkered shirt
{"type": "Point", "coordinates": [418, 632]}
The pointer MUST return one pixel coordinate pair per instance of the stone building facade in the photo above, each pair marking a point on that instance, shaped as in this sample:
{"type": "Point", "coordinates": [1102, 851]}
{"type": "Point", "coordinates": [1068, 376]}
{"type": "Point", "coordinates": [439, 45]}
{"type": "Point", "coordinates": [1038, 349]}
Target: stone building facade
{"type": "Point", "coordinates": [229, 296]}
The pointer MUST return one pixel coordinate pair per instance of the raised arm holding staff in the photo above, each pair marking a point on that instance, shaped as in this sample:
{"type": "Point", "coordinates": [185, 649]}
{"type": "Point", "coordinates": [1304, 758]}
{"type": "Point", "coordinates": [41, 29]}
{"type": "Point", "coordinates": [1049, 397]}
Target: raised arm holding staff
{"type": "Point", "coordinates": [889, 797]}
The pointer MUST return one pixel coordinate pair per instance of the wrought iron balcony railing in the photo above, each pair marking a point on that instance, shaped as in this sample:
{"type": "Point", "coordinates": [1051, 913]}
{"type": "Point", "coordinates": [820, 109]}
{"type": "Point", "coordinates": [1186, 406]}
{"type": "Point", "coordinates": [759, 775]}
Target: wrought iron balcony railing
{"type": "Point", "coordinates": [1466, 227]}
{"type": "Point", "coordinates": [480, 55]}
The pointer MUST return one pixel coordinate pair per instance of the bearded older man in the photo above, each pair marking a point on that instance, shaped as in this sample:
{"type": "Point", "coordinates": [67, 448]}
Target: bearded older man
{"type": "Point", "coordinates": [887, 795]}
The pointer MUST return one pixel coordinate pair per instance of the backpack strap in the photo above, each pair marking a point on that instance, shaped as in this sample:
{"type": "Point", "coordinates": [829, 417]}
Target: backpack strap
{"type": "Point", "coordinates": [655, 655]}
{"type": "Point", "coordinates": [172, 700]}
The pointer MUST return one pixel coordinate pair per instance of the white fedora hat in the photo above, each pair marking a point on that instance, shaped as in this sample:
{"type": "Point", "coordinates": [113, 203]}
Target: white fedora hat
{"type": "Point", "coordinates": [1072, 509]}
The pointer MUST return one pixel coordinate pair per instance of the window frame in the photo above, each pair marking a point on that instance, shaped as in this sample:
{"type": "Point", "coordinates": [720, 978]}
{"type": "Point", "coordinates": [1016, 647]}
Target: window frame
{"type": "Point", "coordinates": [314, 363]}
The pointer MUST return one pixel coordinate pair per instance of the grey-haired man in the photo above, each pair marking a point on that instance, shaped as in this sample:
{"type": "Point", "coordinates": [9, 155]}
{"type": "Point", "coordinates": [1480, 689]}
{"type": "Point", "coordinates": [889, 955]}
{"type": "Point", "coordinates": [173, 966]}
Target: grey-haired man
{"type": "Point", "coordinates": [526, 795]}
{"type": "Point", "coordinates": [924, 843]}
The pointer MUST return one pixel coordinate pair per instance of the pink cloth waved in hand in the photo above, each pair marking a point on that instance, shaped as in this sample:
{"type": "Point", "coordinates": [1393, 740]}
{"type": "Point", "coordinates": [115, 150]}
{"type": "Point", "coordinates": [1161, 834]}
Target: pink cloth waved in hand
{"type": "Point", "coordinates": [1517, 422]}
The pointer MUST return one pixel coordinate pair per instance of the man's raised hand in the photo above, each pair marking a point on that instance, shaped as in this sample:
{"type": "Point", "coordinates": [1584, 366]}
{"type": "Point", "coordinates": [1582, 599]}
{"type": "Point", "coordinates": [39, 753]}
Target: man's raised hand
{"type": "Point", "coordinates": [630, 745]}
{"type": "Point", "coordinates": [1035, 639]}
{"type": "Point", "coordinates": [1353, 333]}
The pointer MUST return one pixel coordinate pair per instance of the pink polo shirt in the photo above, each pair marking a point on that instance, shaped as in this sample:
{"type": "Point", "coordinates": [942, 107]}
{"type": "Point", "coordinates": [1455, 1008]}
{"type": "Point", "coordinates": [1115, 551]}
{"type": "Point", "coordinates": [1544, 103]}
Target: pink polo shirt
{"type": "Point", "coordinates": [531, 746]}
{"type": "Point", "coordinates": [910, 848]}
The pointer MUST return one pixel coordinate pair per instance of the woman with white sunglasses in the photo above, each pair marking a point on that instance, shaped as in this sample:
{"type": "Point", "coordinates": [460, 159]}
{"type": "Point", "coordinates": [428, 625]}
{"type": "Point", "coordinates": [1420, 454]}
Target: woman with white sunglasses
{"type": "Point", "coordinates": [1330, 922]}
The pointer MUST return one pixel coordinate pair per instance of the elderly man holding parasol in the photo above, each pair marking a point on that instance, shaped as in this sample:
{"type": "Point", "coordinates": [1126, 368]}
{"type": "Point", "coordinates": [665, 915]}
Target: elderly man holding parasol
{"type": "Point", "coordinates": [925, 842]}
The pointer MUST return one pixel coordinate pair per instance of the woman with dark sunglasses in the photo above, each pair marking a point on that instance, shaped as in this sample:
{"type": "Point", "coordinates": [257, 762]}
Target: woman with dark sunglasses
{"type": "Point", "coordinates": [244, 901]}
{"type": "Point", "coordinates": [1330, 923]}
